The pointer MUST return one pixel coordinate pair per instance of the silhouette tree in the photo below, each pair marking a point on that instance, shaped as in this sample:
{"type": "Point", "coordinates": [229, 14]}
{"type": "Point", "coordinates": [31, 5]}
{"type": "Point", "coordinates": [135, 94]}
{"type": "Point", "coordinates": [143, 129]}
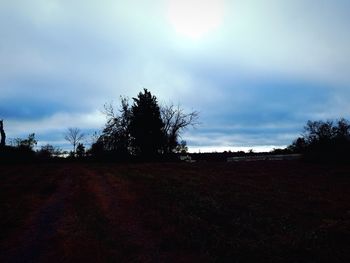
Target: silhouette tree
{"type": "Point", "coordinates": [116, 134]}
{"type": "Point", "coordinates": [175, 121]}
{"type": "Point", "coordinates": [342, 130]}
{"type": "Point", "coordinates": [146, 125]}
{"type": "Point", "coordinates": [326, 140]}
{"type": "Point", "coordinates": [319, 131]}
{"type": "Point", "coordinates": [80, 150]}
{"type": "Point", "coordinates": [3, 135]}
{"type": "Point", "coordinates": [144, 129]}
{"type": "Point", "coordinates": [20, 149]}
{"type": "Point", "coordinates": [49, 151]}
{"type": "Point", "coordinates": [299, 145]}
{"type": "Point", "coordinates": [74, 136]}
{"type": "Point", "coordinates": [28, 143]}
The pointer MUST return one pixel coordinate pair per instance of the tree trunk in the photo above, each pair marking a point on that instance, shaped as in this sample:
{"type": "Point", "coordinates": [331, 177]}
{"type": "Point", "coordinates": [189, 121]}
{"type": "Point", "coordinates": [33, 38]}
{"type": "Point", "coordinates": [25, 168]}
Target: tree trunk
{"type": "Point", "coordinates": [3, 135]}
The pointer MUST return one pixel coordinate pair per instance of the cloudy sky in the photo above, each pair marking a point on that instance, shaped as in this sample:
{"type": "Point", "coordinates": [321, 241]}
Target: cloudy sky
{"type": "Point", "coordinates": [255, 70]}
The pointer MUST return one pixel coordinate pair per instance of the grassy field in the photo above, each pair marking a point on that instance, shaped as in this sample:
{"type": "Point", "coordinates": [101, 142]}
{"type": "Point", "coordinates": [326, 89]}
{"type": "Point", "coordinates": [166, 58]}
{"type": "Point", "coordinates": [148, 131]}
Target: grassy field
{"type": "Point", "coordinates": [284, 211]}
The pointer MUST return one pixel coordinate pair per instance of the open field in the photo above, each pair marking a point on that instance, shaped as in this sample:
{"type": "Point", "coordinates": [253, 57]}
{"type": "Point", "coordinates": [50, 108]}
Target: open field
{"type": "Point", "coordinates": [283, 211]}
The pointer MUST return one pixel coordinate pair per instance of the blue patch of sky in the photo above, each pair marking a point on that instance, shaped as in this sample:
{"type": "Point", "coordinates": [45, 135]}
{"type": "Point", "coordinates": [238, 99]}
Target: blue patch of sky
{"type": "Point", "coordinates": [268, 101]}
{"type": "Point", "coordinates": [34, 98]}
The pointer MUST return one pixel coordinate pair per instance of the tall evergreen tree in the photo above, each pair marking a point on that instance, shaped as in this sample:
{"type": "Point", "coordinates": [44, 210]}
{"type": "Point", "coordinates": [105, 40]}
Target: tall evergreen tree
{"type": "Point", "coordinates": [146, 125]}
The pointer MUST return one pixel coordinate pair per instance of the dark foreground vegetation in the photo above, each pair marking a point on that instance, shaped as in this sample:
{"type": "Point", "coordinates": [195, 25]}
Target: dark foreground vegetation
{"type": "Point", "coordinates": [175, 212]}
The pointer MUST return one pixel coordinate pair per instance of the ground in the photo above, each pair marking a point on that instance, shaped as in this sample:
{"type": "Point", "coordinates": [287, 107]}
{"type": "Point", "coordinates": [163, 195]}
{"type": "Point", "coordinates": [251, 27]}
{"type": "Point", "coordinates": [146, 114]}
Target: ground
{"type": "Point", "coordinates": [282, 211]}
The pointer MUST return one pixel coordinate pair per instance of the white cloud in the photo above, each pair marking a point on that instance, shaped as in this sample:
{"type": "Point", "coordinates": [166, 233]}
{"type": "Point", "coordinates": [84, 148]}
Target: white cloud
{"type": "Point", "coordinates": [56, 123]}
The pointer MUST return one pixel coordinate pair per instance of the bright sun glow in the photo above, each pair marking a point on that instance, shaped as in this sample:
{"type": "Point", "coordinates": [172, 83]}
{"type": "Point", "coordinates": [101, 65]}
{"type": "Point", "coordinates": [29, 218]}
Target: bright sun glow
{"type": "Point", "coordinates": [195, 18]}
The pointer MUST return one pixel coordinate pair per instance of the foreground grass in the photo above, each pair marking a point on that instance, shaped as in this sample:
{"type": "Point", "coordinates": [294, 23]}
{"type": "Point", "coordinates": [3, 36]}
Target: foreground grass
{"type": "Point", "coordinates": [204, 212]}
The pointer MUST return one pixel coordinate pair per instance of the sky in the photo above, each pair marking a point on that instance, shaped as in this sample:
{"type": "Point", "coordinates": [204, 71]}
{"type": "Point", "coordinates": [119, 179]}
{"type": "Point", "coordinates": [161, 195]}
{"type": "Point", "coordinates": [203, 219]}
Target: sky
{"type": "Point", "coordinates": [255, 70]}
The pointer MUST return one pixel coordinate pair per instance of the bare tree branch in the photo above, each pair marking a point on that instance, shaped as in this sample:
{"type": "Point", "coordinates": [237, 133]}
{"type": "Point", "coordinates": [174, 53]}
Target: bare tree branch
{"type": "Point", "coordinates": [175, 121]}
{"type": "Point", "coordinates": [74, 136]}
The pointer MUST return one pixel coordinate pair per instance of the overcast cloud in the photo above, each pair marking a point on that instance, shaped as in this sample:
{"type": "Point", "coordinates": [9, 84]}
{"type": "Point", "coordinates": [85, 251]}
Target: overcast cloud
{"type": "Point", "coordinates": [256, 79]}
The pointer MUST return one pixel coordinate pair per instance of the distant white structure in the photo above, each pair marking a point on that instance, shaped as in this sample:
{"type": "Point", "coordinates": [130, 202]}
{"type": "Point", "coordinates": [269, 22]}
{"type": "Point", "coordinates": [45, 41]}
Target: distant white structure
{"type": "Point", "coordinates": [187, 158]}
{"type": "Point", "coordinates": [273, 157]}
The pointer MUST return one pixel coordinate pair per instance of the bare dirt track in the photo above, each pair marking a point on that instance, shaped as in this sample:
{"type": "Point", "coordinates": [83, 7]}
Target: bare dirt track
{"type": "Point", "coordinates": [204, 212]}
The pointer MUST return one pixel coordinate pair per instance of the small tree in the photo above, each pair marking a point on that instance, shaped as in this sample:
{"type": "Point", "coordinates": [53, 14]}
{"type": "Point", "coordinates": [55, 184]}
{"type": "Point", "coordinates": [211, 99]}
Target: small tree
{"type": "Point", "coordinates": [28, 143]}
{"type": "Point", "coordinates": [80, 150]}
{"type": "Point", "coordinates": [49, 151]}
{"type": "Point", "coordinates": [74, 136]}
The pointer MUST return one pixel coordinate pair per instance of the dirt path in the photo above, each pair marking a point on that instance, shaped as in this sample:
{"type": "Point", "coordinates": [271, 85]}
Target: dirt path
{"type": "Point", "coordinates": [121, 204]}
{"type": "Point", "coordinates": [118, 203]}
{"type": "Point", "coordinates": [36, 235]}
{"type": "Point", "coordinates": [92, 216]}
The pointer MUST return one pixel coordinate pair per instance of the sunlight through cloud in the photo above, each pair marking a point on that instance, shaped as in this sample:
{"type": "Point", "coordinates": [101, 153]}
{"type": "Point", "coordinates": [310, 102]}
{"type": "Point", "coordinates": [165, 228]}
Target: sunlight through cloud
{"type": "Point", "coordinates": [195, 18]}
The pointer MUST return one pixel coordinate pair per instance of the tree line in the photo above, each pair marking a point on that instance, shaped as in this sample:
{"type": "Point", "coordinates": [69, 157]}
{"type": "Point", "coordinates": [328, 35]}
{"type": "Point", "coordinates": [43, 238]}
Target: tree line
{"type": "Point", "coordinates": [324, 140]}
{"type": "Point", "coordinates": [141, 129]}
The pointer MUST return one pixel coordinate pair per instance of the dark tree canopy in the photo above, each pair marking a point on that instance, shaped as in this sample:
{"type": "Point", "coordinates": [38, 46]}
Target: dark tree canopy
{"type": "Point", "coordinates": [146, 125]}
{"type": "Point", "coordinates": [49, 151]}
{"type": "Point", "coordinates": [143, 129]}
{"type": "Point", "coordinates": [324, 140]}
{"type": "Point", "coordinates": [20, 149]}
{"type": "Point", "coordinates": [29, 143]}
{"type": "Point", "coordinates": [116, 135]}
{"type": "Point", "coordinates": [80, 150]}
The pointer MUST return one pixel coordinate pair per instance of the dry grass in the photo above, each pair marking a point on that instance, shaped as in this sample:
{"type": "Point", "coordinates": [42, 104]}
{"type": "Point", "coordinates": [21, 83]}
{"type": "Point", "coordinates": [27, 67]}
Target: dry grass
{"type": "Point", "coordinates": [175, 212]}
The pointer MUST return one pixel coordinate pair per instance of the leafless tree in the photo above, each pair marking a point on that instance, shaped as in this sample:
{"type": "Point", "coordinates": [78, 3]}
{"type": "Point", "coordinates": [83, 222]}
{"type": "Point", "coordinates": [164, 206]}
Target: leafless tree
{"type": "Point", "coordinates": [116, 135]}
{"type": "Point", "coordinates": [74, 136]}
{"type": "Point", "coordinates": [175, 121]}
